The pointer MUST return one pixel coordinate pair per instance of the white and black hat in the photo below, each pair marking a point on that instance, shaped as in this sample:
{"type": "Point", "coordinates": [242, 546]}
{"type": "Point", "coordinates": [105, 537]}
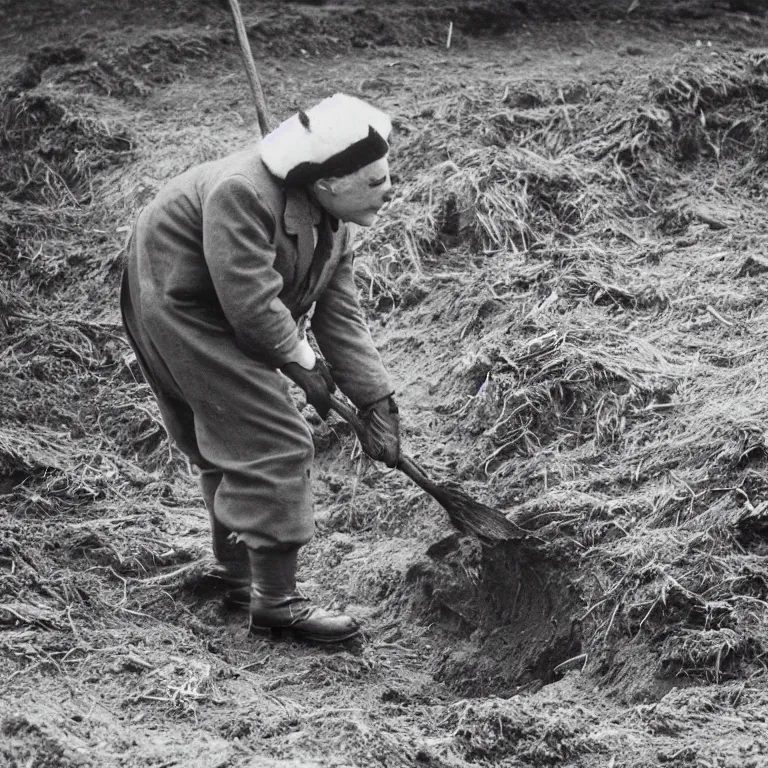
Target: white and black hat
{"type": "Point", "coordinates": [336, 137]}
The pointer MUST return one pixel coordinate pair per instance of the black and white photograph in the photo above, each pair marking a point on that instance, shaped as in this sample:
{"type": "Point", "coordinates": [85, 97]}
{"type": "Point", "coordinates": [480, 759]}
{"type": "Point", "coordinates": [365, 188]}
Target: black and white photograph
{"type": "Point", "coordinates": [383, 384]}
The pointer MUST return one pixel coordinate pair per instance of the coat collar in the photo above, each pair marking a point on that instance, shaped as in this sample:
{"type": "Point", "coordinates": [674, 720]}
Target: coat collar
{"type": "Point", "coordinates": [299, 218]}
{"type": "Point", "coordinates": [300, 212]}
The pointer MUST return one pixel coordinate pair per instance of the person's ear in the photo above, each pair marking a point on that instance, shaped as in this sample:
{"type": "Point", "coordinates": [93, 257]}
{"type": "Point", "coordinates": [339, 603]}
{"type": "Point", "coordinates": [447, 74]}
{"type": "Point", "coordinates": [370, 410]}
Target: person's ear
{"type": "Point", "coordinates": [325, 185]}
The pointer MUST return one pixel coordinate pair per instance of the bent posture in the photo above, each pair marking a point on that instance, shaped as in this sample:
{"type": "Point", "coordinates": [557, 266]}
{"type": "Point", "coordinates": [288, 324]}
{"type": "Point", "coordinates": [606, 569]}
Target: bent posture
{"type": "Point", "coordinates": [223, 267]}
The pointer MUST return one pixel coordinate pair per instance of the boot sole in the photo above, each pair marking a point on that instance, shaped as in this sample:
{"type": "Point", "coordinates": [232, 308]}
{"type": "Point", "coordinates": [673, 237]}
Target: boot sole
{"type": "Point", "coordinates": [280, 633]}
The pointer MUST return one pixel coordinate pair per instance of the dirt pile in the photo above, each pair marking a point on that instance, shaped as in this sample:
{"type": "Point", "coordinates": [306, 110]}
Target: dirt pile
{"type": "Point", "coordinates": [509, 612]}
{"type": "Point", "coordinates": [599, 367]}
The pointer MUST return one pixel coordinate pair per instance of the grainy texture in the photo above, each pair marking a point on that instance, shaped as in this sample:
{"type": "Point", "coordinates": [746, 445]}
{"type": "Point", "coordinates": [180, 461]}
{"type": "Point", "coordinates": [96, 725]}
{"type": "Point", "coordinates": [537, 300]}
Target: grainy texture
{"type": "Point", "coordinates": [569, 289]}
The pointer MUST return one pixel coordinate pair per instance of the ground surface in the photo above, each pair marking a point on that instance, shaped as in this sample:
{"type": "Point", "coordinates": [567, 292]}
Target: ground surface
{"type": "Point", "coordinates": [570, 291]}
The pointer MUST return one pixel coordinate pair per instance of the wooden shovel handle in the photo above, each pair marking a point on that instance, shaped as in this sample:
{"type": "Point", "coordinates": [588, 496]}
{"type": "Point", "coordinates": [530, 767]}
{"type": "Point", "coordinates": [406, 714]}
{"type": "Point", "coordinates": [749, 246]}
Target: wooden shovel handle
{"type": "Point", "coordinates": [405, 464]}
{"type": "Point", "coordinates": [265, 119]}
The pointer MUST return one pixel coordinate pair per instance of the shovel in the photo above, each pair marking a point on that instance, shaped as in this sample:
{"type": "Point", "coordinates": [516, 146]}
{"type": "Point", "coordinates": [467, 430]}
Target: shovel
{"type": "Point", "coordinates": [467, 515]}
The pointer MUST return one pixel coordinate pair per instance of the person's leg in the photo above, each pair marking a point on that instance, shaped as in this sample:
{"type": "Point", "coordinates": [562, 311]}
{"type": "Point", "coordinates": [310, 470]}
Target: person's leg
{"type": "Point", "coordinates": [226, 549]}
{"type": "Point", "coordinates": [277, 604]}
{"type": "Point", "coordinates": [179, 422]}
{"type": "Point", "coordinates": [232, 569]}
{"type": "Point", "coordinates": [247, 427]}
{"type": "Point", "coordinates": [265, 452]}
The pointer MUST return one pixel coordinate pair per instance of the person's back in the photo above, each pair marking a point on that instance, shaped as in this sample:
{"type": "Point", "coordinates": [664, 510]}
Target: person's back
{"type": "Point", "coordinates": [169, 232]}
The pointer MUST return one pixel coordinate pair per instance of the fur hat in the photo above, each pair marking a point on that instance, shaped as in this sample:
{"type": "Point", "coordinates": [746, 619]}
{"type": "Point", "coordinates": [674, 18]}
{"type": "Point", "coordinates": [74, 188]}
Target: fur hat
{"type": "Point", "coordinates": [336, 137]}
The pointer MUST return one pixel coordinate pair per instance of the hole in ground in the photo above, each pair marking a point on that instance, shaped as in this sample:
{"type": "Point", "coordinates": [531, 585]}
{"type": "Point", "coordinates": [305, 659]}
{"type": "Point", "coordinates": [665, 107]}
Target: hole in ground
{"type": "Point", "coordinates": [507, 616]}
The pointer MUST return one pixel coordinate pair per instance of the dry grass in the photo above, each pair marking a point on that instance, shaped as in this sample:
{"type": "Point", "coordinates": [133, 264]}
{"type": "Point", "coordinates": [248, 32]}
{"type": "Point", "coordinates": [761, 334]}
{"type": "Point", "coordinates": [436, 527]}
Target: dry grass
{"type": "Point", "coordinates": [598, 364]}
{"type": "Point", "coordinates": [591, 354]}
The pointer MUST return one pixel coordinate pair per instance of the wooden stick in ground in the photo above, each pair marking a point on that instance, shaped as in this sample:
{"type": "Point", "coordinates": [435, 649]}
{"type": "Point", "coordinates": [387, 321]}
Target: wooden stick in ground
{"type": "Point", "coordinates": [466, 514]}
{"type": "Point", "coordinates": [265, 120]}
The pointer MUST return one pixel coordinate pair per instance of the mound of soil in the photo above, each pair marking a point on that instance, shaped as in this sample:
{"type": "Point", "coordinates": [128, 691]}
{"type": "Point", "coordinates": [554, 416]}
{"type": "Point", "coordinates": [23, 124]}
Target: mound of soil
{"type": "Point", "coordinates": [47, 150]}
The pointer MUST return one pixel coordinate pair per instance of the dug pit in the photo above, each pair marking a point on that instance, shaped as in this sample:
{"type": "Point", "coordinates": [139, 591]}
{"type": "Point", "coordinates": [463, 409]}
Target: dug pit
{"type": "Point", "coordinates": [503, 617]}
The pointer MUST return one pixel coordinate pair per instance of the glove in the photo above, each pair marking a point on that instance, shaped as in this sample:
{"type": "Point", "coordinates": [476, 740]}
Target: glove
{"type": "Point", "coordinates": [316, 382]}
{"type": "Point", "coordinates": [382, 431]}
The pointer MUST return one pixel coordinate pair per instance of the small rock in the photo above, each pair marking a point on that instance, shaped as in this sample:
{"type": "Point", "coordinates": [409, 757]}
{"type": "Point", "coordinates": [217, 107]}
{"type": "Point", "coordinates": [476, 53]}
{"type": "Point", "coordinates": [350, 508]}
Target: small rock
{"type": "Point", "coordinates": [714, 219]}
{"type": "Point", "coordinates": [753, 265]}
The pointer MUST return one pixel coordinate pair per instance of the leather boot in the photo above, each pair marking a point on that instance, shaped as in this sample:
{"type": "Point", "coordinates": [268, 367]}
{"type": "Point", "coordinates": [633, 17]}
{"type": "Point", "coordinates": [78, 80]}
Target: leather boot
{"type": "Point", "coordinates": [231, 567]}
{"type": "Point", "coordinates": [276, 603]}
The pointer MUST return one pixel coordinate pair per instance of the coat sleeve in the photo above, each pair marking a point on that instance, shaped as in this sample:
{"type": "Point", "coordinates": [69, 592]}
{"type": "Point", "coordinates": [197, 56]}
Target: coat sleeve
{"type": "Point", "coordinates": [342, 334]}
{"type": "Point", "coordinates": [239, 246]}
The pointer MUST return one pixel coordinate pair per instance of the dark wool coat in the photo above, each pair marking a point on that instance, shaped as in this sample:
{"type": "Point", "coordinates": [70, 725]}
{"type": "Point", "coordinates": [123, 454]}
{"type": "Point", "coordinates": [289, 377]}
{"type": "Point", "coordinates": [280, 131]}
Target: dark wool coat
{"type": "Point", "coordinates": [220, 266]}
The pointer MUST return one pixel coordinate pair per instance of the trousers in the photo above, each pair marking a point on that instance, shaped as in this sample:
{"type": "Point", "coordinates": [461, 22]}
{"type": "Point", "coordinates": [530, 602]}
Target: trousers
{"type": "Point", "coordinates": [228, 413]}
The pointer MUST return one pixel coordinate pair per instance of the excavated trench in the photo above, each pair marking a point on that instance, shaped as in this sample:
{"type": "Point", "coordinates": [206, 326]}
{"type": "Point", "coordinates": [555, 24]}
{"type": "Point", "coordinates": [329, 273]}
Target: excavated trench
{"type": "Point", "coordinates": [504, 617]}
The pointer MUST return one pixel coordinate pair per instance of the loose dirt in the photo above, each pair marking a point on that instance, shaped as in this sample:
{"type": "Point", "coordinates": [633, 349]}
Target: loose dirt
{"type": "Point", "coordinates": [569, 290]}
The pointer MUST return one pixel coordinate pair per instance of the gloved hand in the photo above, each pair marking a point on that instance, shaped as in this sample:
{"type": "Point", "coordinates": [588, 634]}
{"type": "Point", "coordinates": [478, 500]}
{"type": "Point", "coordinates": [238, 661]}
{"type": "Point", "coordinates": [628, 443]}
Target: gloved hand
{"type": "Point", "coordinates": [382, 426]}
{"type": "Point", "coordinates": [316, 382]}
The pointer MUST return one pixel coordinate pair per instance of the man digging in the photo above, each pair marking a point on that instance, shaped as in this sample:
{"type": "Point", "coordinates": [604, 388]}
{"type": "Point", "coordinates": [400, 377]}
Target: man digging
{"type": "Point", "coordinates": [223, 268]}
